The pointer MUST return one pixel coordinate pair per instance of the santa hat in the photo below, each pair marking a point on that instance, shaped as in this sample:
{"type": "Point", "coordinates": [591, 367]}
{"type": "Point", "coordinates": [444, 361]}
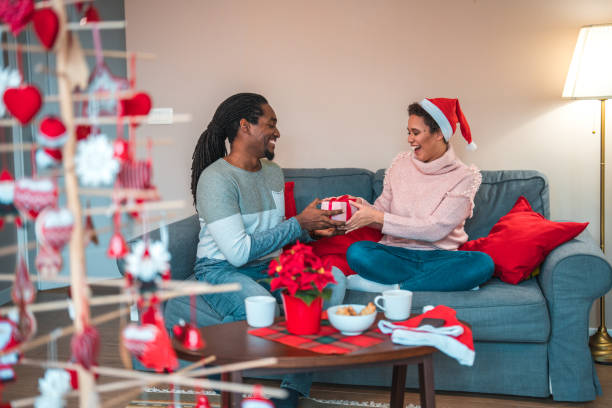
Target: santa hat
{"type": "Point", "coordinates": [453, 338]}
{"type": "Point", "coordinates": [52, 133]}
{"type": "Point", "coordinates": [48, 157]}
{"type": "Point", "coordinates": [447, 112]}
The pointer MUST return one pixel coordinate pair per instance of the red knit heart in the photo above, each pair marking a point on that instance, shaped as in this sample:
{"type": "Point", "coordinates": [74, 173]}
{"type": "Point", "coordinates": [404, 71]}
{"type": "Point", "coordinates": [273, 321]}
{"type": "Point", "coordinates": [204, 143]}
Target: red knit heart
{"type": "Point", "coordinates": [139, 105]}
{"type": "Point", "coordinates": [46, 26]}
{"type": "Point", "coordinates": [34, 195]}
{"type": "Point", "coordinates": [23, 102]}
{"type": "Point", "coordinates": [16, 13]}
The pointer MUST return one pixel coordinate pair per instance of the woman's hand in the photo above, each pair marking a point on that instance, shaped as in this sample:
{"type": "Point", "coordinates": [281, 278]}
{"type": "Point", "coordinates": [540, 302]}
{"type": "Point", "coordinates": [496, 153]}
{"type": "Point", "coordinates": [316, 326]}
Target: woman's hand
{"type": "Point", "coordinates": [357, 199]}
{"type": "Point", "coordinates": [324, 233]}
{"type": "Point", "coordinates": [365, 215]}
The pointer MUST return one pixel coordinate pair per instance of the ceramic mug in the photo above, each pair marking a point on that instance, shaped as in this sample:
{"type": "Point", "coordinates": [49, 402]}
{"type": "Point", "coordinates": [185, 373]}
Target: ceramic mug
{"type": "Point", "coordinates": [260, 310]}
{"type": "Point", "coordinates": [397, 303]}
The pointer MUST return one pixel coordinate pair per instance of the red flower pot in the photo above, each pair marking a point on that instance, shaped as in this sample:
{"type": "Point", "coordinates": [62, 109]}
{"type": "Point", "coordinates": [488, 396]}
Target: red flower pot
{"type": "Point", "coordinates": [302, 318]}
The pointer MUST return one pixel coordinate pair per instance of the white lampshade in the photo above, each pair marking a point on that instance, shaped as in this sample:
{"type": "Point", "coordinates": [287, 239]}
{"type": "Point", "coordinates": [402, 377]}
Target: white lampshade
{"type": "Point", "coordinates": [590, 72]}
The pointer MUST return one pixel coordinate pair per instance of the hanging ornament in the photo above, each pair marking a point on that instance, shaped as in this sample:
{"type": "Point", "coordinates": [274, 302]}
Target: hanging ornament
{"type": "Point", "coordinates": [48, 157]}
{"type": "Point", "coordinates": [85, 347]}
{"type": "Point", "coordinates": [23, 102]}
{"type": "Point", "coordinates": [121, 149]}
{"type": "Point", "coordinates": [8, 341]}
{"type": "Point", "coordinates": [48, 262]}
{"type": "Point", "coordinates": [23, 293]}
{"type": "Point", "coordinates": [202, 401]}
{"type": "Point", "coordinates": [135, 174]}
{"type": "Point", "coordinates": [138, 105]}
{"type": "Point", "coordinates": [188, 335]}
{"type": "Point", "coordinates": [117, 248]}
{"type": "Point", "coordinates": [34, 195]}
{"type": "Point", "coordinates": [51, 133]}
{"type": "Point", "coordinates": [90, 230]}
{"type": "Point", "coordinates": [53, 387]}
{"type": "Point", "coordinates": [54, 227]}
{"type": "Point", "coordinates": [91, 15]}
{"type": "Point", "coordinates": [9, 78]}
{"type": "Point", "coordinates": [82, 132]}
{"type": "Point", "coordinates": [95, 164]}
{"type": "Point", "coordinates": [149, 342]}
{"type": "Point", "coordinates": [46, 26]}
{"type": "Point", "coordinates": [7, 193]}
{"type": "Point", "coordinates": [16, 13]}
{"type": "Point", "coordinates": [257, 400]}
{"type": "Point", "coordinates": [147, 261]}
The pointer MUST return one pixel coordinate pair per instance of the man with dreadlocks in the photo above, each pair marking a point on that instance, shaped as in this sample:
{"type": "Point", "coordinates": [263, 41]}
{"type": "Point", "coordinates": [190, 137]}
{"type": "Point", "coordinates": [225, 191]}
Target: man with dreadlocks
{"type": "Point", "coordinates": [240, 201]}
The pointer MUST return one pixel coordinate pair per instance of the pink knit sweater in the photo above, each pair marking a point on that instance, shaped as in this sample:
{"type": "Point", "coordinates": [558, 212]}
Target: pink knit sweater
{"type": "Point", "coordinates": [426, 204]}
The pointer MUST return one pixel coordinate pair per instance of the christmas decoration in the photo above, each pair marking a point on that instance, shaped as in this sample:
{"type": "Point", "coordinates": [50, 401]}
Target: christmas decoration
{"type": "Point", "coordinates": [188, 335]}
{"type": "Point", "coordinates": [85, 347]}
{"type": "Point", "coordinates": [48, 262]}
{"type": "Point", "coordinates": [48, 157]}
{"type": "Point", "coordinates": [9, 78]}
{"type": "Point", "coordinates": [34, 195]}
{"type": "Point", "coordinates": [147, 261]}
{"type": "Point", "coordinates": [7, 190]}
{"type": "Point", "coordinates": [135, 174]}
{"type": "Point", "coordinates": [51, 133]}
{"type": "Point", "coordinates": [23, 102]}
{"type": "Point", "coordinates": [46, 26]}
{"type": "Point", "coordinates": [54, 227]}
{"type": "Point", "coordinates": [8, 341]}
{"type": "Point", "coordinates": [53, 386]}
{"type": "Point", "coordinates": [16, 13]}
{"type": "Point", "coordinates": [138, 105]}
{"type": "Point", "coordinates": [257, 400]}
{"type": "Point", "coordinates": [95, 164]}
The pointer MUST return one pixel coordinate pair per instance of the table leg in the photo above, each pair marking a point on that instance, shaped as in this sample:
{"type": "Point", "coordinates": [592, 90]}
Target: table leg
{"type": "Point", "coordinates": [398, 386]}
{"type": "Point", "coordinates": [236, 401]}
{"type": "Point", "coordinates": [426, 382]}
{"type": "Point", "coordinates": [225, 395]}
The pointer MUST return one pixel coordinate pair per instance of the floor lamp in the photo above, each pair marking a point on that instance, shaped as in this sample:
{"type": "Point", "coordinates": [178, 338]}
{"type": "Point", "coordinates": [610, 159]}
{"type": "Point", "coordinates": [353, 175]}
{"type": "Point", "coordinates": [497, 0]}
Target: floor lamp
{"type": "Point", "coordinates": [590, 77]}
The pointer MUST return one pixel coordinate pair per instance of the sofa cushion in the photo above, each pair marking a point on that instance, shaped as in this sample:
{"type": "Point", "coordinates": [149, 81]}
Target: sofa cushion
{"type": "Point", "coordinates": [520, 241]}
{"type": "Point", "coordinates": [488, 310]}
{"type": "Point", "coordinates": [321, 183]}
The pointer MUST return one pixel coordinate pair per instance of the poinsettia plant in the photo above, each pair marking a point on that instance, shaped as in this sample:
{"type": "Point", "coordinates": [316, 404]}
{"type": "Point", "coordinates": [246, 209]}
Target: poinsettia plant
{"type": "Point", "coordinates": [301, 273]}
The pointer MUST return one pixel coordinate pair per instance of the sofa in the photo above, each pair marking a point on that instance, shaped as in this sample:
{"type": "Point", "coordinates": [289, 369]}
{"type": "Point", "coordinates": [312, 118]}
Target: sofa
{"type": "Point", "coordinates": [531, 339]}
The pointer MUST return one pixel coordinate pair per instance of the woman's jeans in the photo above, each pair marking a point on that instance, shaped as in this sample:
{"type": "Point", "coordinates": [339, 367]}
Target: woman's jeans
{"type": "Point", "coordinates": [230, 305]}
{"type": "Point", "coordinates": [420, 270]}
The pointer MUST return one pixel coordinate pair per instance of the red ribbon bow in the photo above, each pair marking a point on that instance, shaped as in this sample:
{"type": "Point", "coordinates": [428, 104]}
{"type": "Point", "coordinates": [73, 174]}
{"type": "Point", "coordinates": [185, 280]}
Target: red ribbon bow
{"type": "Point", "coordinates": [343, 199]}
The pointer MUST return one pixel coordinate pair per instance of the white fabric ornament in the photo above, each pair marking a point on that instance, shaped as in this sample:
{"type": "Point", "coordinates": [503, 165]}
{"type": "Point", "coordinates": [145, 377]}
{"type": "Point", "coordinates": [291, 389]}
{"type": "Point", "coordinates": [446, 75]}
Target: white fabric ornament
{"type": "Point", "coordinates": [95, 164]}
{"type": "Point", "coordinates": [7, 188]}
{"type": "Point", "coordinates": [9, 78]}
{"type": "Point", "coordinates": [146, 262]}
{"type": "Point", "coordinates": [53, 387]}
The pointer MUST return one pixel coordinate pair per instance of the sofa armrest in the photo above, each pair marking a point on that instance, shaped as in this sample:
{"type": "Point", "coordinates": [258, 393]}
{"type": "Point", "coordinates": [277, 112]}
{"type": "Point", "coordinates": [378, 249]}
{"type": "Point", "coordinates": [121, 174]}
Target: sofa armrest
{"type": "Point", "coordinates": [572, 277]}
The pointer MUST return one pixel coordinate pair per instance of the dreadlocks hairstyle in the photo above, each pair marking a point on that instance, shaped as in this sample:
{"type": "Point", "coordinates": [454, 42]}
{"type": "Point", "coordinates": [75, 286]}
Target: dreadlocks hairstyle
{"type": "Point", "coordinates": [224, 124]}
{"type": "Point", "coordinates": [417, 110]}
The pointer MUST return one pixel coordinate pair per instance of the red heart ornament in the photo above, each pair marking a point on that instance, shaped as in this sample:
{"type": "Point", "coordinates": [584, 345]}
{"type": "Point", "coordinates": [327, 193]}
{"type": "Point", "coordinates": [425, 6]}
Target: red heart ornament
{"type": "Point", "coordinates": [16, 13]}
{"type": "Point", "coordinates": [34, 195]}
{"type": "Point", "coordinates": [54, 227]}
{"type": "Point", "coordinates": [46, 26]}
{"type": "Point", "coordinates": [139, 105]}
{"type": "Point", "coordinates": [135, 174]}
{"type": "Point", "coordinates": [23, 102]}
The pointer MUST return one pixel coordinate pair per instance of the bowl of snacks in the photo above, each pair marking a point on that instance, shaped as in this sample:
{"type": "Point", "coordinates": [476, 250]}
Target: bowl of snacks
{"type": "Point", "coordinates": [352, 320]}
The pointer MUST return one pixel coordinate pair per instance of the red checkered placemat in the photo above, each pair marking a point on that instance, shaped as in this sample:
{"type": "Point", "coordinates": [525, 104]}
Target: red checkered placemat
{"type": "Point", "coordinates": [327, 341]}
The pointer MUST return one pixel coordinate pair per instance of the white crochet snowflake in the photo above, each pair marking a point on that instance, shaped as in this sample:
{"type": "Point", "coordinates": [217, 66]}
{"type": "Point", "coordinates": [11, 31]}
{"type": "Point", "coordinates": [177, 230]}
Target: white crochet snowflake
{"type": "Point", "coordinates": [53, 387]}
{"type": "Point", "coordinates": [95, 164]}
{"type": "Point", "coordinates": [9, 78]}
{"type": "Point", "coordinates": [147, 268]}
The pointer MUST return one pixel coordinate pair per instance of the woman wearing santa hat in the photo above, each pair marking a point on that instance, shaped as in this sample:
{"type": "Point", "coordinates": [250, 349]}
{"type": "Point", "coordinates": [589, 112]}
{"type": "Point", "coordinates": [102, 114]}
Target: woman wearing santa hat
{"type": "Point", "coordinates": [428, 194]}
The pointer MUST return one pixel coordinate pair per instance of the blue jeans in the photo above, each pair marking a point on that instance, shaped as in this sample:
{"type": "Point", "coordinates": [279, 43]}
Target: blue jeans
{"type": "Point", "coordinates": [420, 270]}
{"type": "Point", "coordinates": [230, 305]}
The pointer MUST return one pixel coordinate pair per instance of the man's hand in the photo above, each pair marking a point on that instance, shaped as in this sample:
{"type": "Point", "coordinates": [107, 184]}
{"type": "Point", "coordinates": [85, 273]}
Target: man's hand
{"type": "Point", "coordinates": [365, 215]}
{"type": "Point", "coordinates": [313, 218]}
{"type": "Point", "coordinates": [329, 232]}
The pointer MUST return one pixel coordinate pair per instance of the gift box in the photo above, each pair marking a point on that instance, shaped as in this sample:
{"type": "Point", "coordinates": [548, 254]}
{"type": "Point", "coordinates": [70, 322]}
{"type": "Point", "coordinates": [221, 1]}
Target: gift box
{"type": "Point", "coordinates": [340, 203]}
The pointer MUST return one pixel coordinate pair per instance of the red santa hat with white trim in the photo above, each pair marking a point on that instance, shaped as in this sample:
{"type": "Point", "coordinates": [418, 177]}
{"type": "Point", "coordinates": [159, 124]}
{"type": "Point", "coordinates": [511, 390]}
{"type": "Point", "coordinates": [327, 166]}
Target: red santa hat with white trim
{"type": "Point", "coordinates": [447, 112]}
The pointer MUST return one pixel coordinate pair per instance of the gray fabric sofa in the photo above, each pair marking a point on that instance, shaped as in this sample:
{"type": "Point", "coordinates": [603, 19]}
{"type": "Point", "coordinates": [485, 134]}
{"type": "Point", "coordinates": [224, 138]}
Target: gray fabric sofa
{"type": "Point", "coordinates": [531, 339]}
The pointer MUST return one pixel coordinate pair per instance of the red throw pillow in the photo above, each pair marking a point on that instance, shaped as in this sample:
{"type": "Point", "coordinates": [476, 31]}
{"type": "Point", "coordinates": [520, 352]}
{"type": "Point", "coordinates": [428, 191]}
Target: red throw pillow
{"type": "Point", "coordinates": [290, 209]}
{"type": "Point", "coordinates": [520, 241]}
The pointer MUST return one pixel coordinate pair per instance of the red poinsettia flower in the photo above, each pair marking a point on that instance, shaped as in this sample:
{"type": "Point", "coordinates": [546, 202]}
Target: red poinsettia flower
{"type": "Point", "coordinates": [301, 273]}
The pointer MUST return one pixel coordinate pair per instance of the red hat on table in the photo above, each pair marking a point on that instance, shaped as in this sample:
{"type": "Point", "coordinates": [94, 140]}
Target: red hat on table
{"type": "Point", "coordinates": [447, 112]}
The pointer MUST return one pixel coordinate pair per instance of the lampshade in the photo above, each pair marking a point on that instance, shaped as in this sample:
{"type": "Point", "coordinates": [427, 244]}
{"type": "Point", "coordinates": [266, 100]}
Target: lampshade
{"type": "Point", "coordinates": [590, 72]}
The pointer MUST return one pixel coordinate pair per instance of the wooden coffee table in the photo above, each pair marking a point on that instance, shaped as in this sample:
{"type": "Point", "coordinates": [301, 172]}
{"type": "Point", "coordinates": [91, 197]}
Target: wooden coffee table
{"type": "Point", "coordinates": [231, 343]}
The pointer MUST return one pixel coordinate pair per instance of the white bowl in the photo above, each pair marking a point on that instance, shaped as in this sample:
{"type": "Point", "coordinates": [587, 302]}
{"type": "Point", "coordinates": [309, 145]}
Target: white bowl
{"type": "Point", "coordinates": [350, 325]}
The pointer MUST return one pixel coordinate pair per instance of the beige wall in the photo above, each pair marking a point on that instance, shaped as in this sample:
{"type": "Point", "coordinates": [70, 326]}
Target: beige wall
{"type": "Point", "coordinates": [340, 74]}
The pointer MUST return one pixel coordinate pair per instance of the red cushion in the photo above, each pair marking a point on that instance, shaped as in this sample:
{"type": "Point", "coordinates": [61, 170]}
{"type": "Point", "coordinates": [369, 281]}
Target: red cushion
{"type": "Point", "coordinates": [520, 241]}
{"type": "Point", "coordinates": [290, 209]}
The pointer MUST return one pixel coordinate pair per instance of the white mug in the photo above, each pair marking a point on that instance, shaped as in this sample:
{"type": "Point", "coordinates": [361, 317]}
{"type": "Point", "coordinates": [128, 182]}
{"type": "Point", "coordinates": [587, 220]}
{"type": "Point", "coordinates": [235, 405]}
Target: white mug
{"type": "Point", "coordinates": [260, 310]}
{"type": "Point", "coordinates": [397, 303]}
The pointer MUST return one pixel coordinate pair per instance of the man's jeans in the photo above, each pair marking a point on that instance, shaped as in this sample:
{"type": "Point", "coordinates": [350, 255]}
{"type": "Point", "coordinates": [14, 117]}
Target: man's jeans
{"type": "Point", "coordinates": [230, 305]}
